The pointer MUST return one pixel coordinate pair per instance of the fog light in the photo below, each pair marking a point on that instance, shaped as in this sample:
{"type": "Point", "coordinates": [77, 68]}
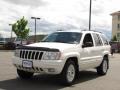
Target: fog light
{"type": "Point", "coordinates": [51, 70]}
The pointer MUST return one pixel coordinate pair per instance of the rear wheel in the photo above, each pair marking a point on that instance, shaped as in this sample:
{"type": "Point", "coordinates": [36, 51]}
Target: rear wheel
{"type": "Point", "coordinates": [24, 74]}
{"type": "Point", "coordinates": [103, 68]}
{"type": "Point", "coordinates": [69, 73]}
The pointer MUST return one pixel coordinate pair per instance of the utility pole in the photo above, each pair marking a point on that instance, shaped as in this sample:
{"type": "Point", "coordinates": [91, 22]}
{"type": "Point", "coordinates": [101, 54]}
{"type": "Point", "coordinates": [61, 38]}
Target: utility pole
{"type": "Point", "coordinates": [11, 31]}
{"type": "Point", "coordinates": [35, 18]}
{"type": "Point", "coordinates": [90, 15]}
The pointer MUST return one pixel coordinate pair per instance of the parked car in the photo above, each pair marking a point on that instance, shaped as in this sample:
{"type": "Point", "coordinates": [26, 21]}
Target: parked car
{"type": "Point", "coordinates": [17, 41]}
{"type": "Point", "coordinates": [2, 41]}
{"type": "Point", "coordinates": [64, 53]}
{"type": "Point", "coordinates": [10, 46]}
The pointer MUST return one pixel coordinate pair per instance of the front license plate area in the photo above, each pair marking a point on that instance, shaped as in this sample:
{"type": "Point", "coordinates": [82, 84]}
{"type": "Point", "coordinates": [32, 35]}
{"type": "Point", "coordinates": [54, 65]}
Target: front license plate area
{"type": "Point", "coordinates": [27, 64]}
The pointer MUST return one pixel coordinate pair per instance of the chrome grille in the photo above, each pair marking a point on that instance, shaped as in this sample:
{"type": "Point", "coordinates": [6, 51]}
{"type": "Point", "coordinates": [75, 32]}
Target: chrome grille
{"type": "Point", "coordinates": [31, 54]}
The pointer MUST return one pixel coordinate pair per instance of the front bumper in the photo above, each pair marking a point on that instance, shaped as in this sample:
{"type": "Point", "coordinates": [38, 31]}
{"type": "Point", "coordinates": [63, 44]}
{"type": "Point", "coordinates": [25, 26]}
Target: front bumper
{"type": "Point", "coordinates": [41, 66]}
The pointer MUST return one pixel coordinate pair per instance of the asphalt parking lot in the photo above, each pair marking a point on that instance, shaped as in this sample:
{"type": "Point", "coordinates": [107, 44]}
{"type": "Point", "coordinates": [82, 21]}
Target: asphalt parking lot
{"type": "Point", "coordinates": [88, 80]}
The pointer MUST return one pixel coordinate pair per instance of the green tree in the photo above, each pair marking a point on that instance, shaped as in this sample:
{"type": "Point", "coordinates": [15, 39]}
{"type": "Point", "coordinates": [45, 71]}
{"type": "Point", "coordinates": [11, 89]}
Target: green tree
{"type": "Point", "coordinates": [20, 29]}
{"type": "Point", "coordinates": [114, 38]}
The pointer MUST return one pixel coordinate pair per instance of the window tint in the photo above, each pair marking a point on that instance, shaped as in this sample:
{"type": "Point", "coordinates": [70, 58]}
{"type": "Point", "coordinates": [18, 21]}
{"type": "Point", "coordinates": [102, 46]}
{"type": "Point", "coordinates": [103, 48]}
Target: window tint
{"type": "Point", "coordinates": [97, 39]}
{"type": "Point", "coordinates": [88, 41]}
{"type": "Point", "coordinates": [105, 41]}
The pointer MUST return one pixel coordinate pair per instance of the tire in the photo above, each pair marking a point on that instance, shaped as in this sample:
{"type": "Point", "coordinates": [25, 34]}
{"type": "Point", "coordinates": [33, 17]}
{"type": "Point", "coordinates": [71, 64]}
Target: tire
{"type": "Point", "coordinates": [69, 73]}
{"type": "Point", "coordinates": [24, 74]}
{"type": "Point", "coordinates": [103, 68]}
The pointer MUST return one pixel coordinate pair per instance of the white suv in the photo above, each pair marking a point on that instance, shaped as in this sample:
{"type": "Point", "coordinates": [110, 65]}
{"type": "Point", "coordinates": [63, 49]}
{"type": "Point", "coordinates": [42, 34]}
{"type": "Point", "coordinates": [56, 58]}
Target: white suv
{"type": "Point", "coordinates": [64, 53]}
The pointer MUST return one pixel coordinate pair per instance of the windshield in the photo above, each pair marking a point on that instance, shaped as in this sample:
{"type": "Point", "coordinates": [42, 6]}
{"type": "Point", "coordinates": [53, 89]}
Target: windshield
{"type": "Point", "coordinates": [64, 37]}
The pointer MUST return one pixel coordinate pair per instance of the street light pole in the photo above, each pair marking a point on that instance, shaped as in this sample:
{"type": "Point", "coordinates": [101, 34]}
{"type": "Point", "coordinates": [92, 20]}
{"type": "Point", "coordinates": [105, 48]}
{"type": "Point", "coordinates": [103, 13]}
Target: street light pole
{"type": "Point", "coordinates": [90, 15]}
{"type": "Point", "coordinates": [35, 31]}
{"type": "Point", "coordinates": [35, 18]}
{"type": "Point", "coordinates": [11, 31]}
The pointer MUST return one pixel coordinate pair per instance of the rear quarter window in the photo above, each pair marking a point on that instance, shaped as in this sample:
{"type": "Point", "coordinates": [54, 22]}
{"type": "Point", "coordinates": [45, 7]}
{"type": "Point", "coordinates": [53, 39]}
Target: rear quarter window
{"type": "Point", "coordinates": [105, 41]}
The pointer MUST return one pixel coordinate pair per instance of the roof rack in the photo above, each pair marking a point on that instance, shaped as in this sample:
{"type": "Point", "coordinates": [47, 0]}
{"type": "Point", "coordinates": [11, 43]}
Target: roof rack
{"type": "Point", "coordinates": [84, 30]}
{"type": "Point", "coordinates": [96, 31]}
{"type": "Point", "coordinates": [60, 30]}
{"type": "Point", "coordinates": [91, 30]}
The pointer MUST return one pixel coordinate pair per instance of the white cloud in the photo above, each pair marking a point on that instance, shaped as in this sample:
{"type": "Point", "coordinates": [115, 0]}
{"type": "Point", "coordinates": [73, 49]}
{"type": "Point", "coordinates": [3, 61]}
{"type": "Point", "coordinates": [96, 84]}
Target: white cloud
{"type": "Point", "coordinates": [58, 14]}
{"type": "Point", "coordinates": [33, 3]}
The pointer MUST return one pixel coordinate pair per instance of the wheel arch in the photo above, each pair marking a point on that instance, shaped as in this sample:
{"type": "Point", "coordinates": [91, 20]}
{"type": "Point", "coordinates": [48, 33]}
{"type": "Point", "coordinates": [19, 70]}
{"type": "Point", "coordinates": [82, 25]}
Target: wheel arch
{"type": "Point", "coordinates": [75, 60]}
{"type": "Point", "coordinates": [106, 57]}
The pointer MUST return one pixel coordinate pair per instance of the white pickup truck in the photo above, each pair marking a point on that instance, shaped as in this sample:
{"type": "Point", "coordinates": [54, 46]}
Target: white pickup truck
{"type": "Point", "coordinates": [64, 53]}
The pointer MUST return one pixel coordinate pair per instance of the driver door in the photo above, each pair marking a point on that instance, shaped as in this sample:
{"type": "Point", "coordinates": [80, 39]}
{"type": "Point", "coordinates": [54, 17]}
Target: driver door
{"type": "Point", "coordinates": [86, 53]}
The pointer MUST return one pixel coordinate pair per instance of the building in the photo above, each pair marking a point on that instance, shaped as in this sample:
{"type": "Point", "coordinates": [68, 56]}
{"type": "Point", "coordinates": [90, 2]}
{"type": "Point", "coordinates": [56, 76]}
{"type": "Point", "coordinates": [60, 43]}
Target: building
{"type": "Point", "coordinates": [116, 25]}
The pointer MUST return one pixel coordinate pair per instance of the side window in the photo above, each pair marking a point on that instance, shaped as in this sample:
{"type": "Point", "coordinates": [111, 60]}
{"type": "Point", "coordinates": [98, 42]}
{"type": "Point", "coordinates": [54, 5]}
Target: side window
{"type": "Point", "coordinates": [88, 41]}
{"type": "Point", "coordinates": [98, 41]}
{"type": "Point", "coordinates": [105, 41]}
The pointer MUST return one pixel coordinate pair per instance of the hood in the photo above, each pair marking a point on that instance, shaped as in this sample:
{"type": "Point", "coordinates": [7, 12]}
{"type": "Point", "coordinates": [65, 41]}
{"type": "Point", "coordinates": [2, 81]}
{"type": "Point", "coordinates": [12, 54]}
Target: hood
{"type": "Point", "coordinates": [52, 45]}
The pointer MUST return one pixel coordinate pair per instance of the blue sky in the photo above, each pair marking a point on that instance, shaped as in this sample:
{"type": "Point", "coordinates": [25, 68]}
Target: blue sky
{"type": "Point", "coordinates": [58, 14]}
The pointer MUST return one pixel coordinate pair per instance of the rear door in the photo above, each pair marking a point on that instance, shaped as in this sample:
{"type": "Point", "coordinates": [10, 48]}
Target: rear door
{"type": "Point", "coordinates": [98, 49]}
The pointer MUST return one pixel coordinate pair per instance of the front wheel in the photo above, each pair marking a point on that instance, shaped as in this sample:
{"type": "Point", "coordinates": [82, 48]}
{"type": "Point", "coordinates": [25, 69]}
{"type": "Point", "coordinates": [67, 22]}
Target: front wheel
{"type": "Point", "coordinates": [24, 74]}
{"type": "Point", "coordinates": [68, 73]}
{"type": "Point", "coordinates": [103, 68]}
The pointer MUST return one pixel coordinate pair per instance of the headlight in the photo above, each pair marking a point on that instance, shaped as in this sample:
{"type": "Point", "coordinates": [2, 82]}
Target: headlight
{"type": "Point", "coordinates": [51, 56]}
{"type": "Point", "coordinates": [17, 53]}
